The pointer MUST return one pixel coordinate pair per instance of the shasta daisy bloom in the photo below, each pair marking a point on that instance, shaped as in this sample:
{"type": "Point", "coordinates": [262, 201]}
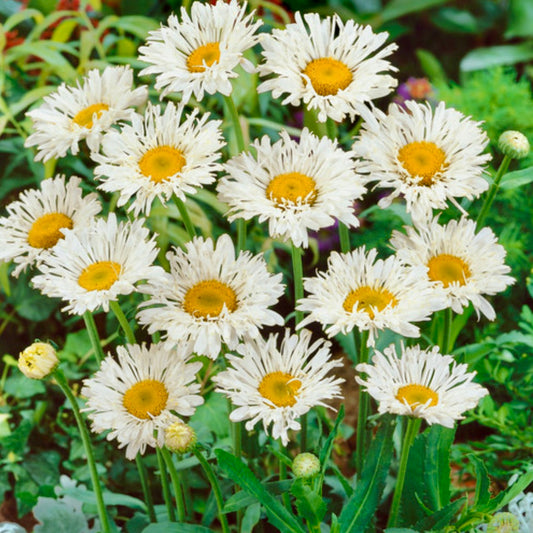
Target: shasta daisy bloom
{"type": "Point", "coordinates": [36, 221]}
{"type": "Point", "coordinates": [138, 394]}
{"type": "Point", "coordinates": [296, 186]}
{"type": "Point", "coordinates": [358, 290]}
{"type": "Point", "coordinates": [199, 53]}
{"type": "Point", "coordinates": [210, 298]}
{"type": "Point", "coordinates": [427, 156]}
{"type": "Point", "coordinates": [279, 385]}
{"type": "Point", "coordinates": [422, 383]}
{"type": "Point", "coordinates": [86, 111]}
{"type": "Point", "coordinates": [333, 67]}
{"type": "Point", "coordinates": [93, 265]}
{"type": "Point", "coordinates": [462, 263]}
{"type": "Point", "coordinates": [158, 156]}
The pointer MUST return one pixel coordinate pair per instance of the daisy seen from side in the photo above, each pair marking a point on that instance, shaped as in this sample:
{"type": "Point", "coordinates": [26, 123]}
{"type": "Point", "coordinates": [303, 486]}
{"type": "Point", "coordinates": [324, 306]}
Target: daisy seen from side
{"type": "Point", "coordinates": [420, 383]}
{"type": "Point", "coordinates": [464, 264]}
{"type": "Point", "coordinates": [160, 154]}
{"type": "Point", "coordinates": [198, 53]}
{"type": "Point", "coordinates": [359, 290]}
{"type": "Point", "coordinates": [95, 264]}
{"type": "Point", "coordinates": [36, 221]}
{"type": "Point", "coordinates": [84, 112]}
{"type": "Point", "coordinates": [279, 385]}
{"type": "Point", "coordinates": [296, 186]}
{"type": "Point", "coordinates": [427, 156]}
{"type": "Point", "coordinates": [136, 395]}
{"type": "Point", "coordinates": [334, 67]}
{"type": "Point", "coordinates": [209, 297]}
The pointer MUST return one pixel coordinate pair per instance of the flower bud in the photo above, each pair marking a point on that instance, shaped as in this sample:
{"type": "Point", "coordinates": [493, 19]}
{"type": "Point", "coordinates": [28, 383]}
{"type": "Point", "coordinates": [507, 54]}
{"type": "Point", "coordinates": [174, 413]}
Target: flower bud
{"type": "Point", "coordinates": [305, 465]}
{"type": "Point", "coordinates": [38, 360]}
{"type": "Point", "coordinates": [514, 144]}
{"type": "Point", "coordinates": [179, 437]}
{"type": "Point", "coordinates": [503, 523]}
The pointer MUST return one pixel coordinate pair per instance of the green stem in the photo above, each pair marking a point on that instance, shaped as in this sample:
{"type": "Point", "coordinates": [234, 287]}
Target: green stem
{"type": "Point", "coordinates": [303, 433]}
{"type": "Point", "coordinates": [344, 237]}
{"type": "Point", "coordinates": [63, 384]}
{"type": "Point", "coordinates": [176, 485]}
{"type": "Point", "coordinates": [504, 165]}
{"type": "Point", "coordinates": [187, 222]}
{"type": "Point", "coordinates": [282, 477]}
{"type": "Point", "coordinates": [93, 335]}
{"type": "Point", "coordinates": [123, 321]}
{"type": "Point", "coordinates": [297, 269]}
{"type": "Point", "coordinates": [363, 409]}
{"type": "Point", "coordinates": [447, 344]}
{"type": "Point", "coordinates": [241, 234]}
{"type": "Point", "coordinates": [164, 485]}
{"type": "Point", "coordinates": [147, 493]}
{"type": "Point", "coordinates": [215, 487]}
{"type": "Point", "coordinates": [413, 425]}
{"type": "Point", "coordinates": [331, 129]}
{"type": "Point", "coordinates": [234, 116]}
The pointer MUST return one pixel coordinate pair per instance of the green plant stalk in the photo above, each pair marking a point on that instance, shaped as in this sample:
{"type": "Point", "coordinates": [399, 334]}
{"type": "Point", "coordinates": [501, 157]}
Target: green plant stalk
{"type": "Point", "coordinates": [102, 513]}
{"type": "Point", "coordinates": [143, 476]}
{"type": "Point", "coordinates": [216, 488]}
{"type": "Point", "coordinates": [164, 485]}
{"type": "Point", "coordinates": [297, 269]}
{"type": "Point", "coordinates": [363, 410]}
{"type": "Point", "coordinates": [504, 165]}
{"type": "Point", "coordinates": [447, 344]}
{"type": "Point", "coordinates": [123, 321]}
{"type": "Point", "coordinates": [187, 222]}
{"type": "Point", "coordinates": [344, 238]}
{"type": "Point", "coordinates": [282, 477]}
{"type": "Point", "coordinates": [274, 8]}
{"type": "Point", "coordinates": [331, 129]}
{"type": "Point", "coordinates": [176, 485]}
{"type": "Point", "coordinates": [413, 425]}
{"type": "Point", "coordinates": [93, 336]}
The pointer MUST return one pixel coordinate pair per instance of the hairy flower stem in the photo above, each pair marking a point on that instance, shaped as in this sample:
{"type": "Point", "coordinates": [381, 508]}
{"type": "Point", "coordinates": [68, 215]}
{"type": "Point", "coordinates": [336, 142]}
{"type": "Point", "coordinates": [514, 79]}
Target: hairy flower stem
{"type": "Point", "coordinates": [93, 336]}
{"type": "Point", "coordinates": [215, 487]}
{"type": "Point", "coordinates": [102, 513]}
{"type": "Point", "coordinates": [413, 425]}
{"type": "Point", "coordinates": [186, 219]}
{"type": "Point", "coordinates": [363, 410]}
{"type": "Point", "coordinates": [165, 486]}
{"type": "Point", "coordinates": [176, 485]}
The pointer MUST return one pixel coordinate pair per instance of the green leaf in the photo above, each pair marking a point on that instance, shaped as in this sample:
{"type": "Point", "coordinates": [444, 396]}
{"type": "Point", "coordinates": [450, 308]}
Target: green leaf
{"type": "Point", "coordinates": [310, 505]}
{"type": "Point", "coordinates": [240, 473]}
{"type": "Point", "coordinates": [242, 499]}
{"type": "Point", "coordinates": [110, 498]}
{"type": "Point", "coordinates": [20, 387]}
{"type": "Point", "coordinates": [482, 495]}
{"type": "Point", "coordinates": [175, 527]}
{"type": "Point", "coordinates": [437, 466]}
{"type": "Point", "coordinates": [326, 450]}
{"type": "Point", "coordinates": [361, 506]}
{"type": "Point", "coordinates": [251, 517]}
{"type": "Point", "coordinates": [400, 530]}
{"type": "Point", "coordinates": [442, 518]}
{"type": "Point", "coordinates": [56, 516]}
{"type": "Point", "coordinates": [431, 66]}
{"type": "Point", "coordinates": [399, 8]}
{"type": "Point", "coordinates": [507, 495]}
{"type": "Point", "coordinates": [515, 179]}
{"type": "Point", "coordinates": [452, 19]}
{"type": "Point", "coordinates": [494, 56]}
{"type": "Point", "coordinates": [21, 16]}
{"type": "Point", "coordinates": [520, 23]}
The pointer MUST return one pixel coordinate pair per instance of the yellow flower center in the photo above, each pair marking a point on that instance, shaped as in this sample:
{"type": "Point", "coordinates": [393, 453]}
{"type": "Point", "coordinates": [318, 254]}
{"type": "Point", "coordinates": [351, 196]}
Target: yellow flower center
{"type": "Point", "coordinates": [280, 388]}
{"type": "Point", "coordinates": [207, 298]}
{"type": "Point", "coordinates": [85, 117]}
{"type": "Point", "coordinates": [422, 159]}
{"type": "Point", "coordinates": [161, 162]}
{"type": "Point", "coordinates": [204, 55]}
{"type": "Point", "coordinates": [448, 269]}
{"type": "Point", "coordinates": [99, 276]}
{"type": "Point", "coordinates": [45, 231]}
{"type": "Point", "coordinates": [146, 398]}
{"type": "Point", "coordinates": [328, 76]}
{"type": "Point", "coordinates": [417, 395]}
{"type": "Point", "coordinates": [367, 299]}
{"type": "Point", "coordinates": [291, 188]}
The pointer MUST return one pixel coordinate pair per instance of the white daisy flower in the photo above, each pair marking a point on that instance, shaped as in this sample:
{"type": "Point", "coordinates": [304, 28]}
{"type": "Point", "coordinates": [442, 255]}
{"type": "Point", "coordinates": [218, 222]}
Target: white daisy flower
{"type": "Point", "coordinates": [295, 186]}
{"type": "Point", "coordinates": [463, 264]}
{"type": "Point", "coordinates": [156, 156]}
{"type": "Point", "coordinates": [36, 221]}
{"type": "Point", "coordinates": [333, 67]}
{"type": "Point", "coordinates": [359, 291]}
{"type": "Point", "coordinates": [140, 393]}
{"type": "Point", "coordinates": [199, 53]}
{"type": "Point", "coordinates": [95, 264]}
{"type": "Point", "coordinates": [422, 383]}
{"type": "Point", "coordinates": [210, 298]}
{"type": "Point", "coordinates": [278, 386]}
{"type": "Point", "coordinates": [427, 156]}
{"type": "Point", "coordinates": [86, 111]}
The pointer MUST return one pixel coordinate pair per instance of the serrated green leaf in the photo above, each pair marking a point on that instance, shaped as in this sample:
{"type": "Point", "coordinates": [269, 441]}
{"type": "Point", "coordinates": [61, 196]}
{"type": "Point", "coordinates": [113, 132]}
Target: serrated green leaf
{"type": "Point", "coordinates": [437, 466]}
{"type": "Point", "coordinates": [442, 518]}
{"type": "Point", "coordinates": [361, 506]}
{"type": "Point", "coordinates": [494, 56]}
{"type": "Point", "coordinates": [482, 495]}
{"type": "Point", "coordinates": [506, 495]}
{"type": "Point", "coordinates": [236, 470]}
{"type": "Point", "coordinates": [242, 499]}
{"type": "Point", "coordinates": [310, 505]}
{"type": "Point", "coordinates": [175, 527]}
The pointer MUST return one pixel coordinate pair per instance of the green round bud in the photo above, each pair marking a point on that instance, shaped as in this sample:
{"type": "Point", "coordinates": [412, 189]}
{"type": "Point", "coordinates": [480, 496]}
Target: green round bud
{"type": "Point", "coordinates": [503, 523]}
{"type": "Point", "coordinates": [514, 144]}
{"type": "Point", "coordinates": [305, 465]}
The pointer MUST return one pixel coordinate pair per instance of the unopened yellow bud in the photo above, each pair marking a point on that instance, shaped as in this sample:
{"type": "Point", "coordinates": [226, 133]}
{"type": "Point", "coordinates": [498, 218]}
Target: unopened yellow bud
{"type": "Point", "coordinates": [38, 360]}
{"type": "Point", "coordinates": [503, 523]}
{"type": "Point", "coordinates": [179, 437]}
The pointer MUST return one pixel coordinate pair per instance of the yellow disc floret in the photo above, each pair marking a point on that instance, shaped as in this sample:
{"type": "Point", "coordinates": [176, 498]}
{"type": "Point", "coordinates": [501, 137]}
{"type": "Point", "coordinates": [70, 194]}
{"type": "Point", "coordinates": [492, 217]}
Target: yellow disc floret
{"type": "Point", "coordinates": [46, 230]}
{"type": "Point", "coordinates": [161, 162]}
{"type": "Point", "coordinates": [416, 395]}
{"type": "Point", "coordinates": [291, 188]}
{"type": "Point", "coordinates": [84, 118]}
{"type": "Point", "coordinates": [146, 399]}
{"type": "Point", "coordinates": [207, 298]}
{"type": "Point", "coordinates": [448, 269]}
{"type": "Point", "coordinates": [328, 76]}
{"type": "Point", "coordinates": [99, 276]}
{"type": "Point", "coordinates": [367, 299]}
{"type": "Point", "coordinates": [423, 160]}
{"type": "Point", "coordinates": [203, 56]}
{"type": "Point", "coordinates": [280, 388]}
